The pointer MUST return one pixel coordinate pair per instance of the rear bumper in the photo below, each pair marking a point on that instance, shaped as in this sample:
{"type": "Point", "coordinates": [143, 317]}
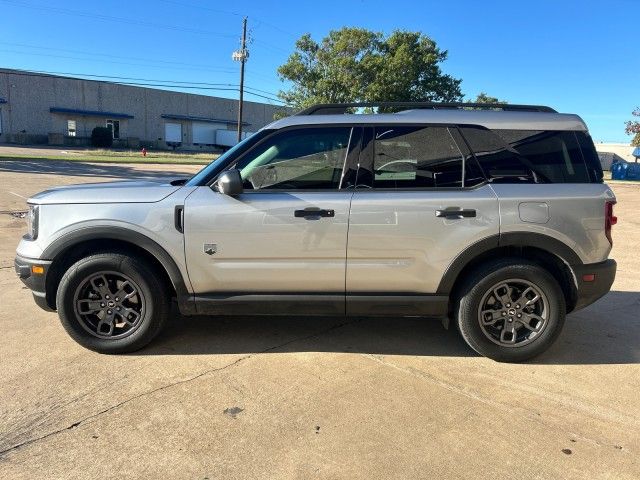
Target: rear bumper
{"type": "Point", "coordinates": [590, 291]}
{"type": "Point", "coordinates": [35, 281]}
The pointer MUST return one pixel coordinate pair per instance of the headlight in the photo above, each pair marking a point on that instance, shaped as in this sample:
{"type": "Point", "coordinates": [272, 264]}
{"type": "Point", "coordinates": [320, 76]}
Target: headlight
{"type": "Point", "coordinates": [32, 221]}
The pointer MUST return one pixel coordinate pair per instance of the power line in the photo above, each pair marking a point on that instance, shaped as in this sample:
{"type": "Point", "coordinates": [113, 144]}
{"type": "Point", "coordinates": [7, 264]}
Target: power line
{"type": "Point", "coordinates": [271, 47]}
{"type": "Point", "coordinates": [149, 62]}
{"type": "Point", "coordinates": [94, 54]}
{"type": "Point", "coordinates": [141, 84]}
{"type": "Point", "coordinates": [156, 80]}
{"type": "Point", "coordinates": [202, 7]}
{"type": "Point", "coordinates": [110, 18]}
{"type": "Point", "coordinates": [228, 12]}
{"type": "Point", "coordinates": [138, 64]}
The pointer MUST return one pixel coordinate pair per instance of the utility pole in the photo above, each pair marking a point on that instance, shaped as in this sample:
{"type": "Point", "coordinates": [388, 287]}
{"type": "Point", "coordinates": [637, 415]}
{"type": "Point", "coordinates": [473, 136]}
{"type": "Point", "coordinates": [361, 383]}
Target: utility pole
{"type": "Point", "coordinates": [241, 56]}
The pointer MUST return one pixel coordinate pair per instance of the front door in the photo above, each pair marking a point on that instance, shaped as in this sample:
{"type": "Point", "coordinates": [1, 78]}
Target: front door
{"type": "Point", "coordinates": [420, 202]}
{"type": "Point", "coordinates": [284, 238]}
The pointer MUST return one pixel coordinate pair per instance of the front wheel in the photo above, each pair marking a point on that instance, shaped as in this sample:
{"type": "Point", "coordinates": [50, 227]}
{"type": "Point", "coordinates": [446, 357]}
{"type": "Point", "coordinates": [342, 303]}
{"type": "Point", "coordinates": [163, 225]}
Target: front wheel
{"type": "Point", "coordinates": [510, 310]}
{"type": "Point", "coordinates": [112, 302]}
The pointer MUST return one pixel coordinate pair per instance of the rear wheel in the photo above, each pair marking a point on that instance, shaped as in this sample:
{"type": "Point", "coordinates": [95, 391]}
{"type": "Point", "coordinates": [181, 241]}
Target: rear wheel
{"type": "Point", "coordinates": [112, 302]}
{"type": "Point", "coordinates": [510, 310]}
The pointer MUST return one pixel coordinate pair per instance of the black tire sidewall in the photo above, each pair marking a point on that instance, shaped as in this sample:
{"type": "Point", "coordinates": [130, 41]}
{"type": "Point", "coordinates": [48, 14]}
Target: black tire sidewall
{"type": "Point", "coordinates": [477, 286]}
{"type": "Point", "coordinates": [153, 290]}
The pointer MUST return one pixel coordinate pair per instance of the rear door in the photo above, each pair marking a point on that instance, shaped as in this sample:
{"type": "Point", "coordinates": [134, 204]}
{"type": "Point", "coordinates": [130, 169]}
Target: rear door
{"type": "Point", "coordinates": [420, 201]}
{"type": "Point", "coordinates": [286, 234]}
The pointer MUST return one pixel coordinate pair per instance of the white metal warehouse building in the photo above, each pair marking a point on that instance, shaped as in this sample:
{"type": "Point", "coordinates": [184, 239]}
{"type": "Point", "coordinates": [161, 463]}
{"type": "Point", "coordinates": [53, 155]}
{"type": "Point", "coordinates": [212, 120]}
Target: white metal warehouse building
{"type": "Point", "coordinates": [40, 108]}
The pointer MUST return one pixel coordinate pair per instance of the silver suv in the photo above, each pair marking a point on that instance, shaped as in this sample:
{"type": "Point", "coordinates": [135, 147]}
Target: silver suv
{"type": "Point", "coordinates": [493, 216]}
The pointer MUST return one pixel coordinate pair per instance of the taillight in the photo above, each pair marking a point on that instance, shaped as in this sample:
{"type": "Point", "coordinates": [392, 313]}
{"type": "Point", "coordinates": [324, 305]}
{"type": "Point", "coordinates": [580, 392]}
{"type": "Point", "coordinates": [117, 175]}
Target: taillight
{"type": "Point", "coordinates": [609, 219]}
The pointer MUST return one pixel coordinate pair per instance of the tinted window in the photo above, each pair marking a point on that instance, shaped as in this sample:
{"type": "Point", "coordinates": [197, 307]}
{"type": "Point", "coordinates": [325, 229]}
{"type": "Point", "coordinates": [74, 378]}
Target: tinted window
{"type": "Point", "coordinates": [309, 158]}
{"type": "Point", "coordinates": [472, 173]}
{"type": "Point", "coordinates": [411, 157]}
{"type": "Point", "coordinates": [209, 172]}
{"type": "Point", "coordinates": [590, 156]}
{"type": "Point", "coordinates": [513, 156]}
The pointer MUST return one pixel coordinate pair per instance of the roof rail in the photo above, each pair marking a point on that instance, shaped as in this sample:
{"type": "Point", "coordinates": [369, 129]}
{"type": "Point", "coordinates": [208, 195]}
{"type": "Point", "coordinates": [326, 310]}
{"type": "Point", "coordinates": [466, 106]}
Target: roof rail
{"type": "Point", "coordinates": [341, 108]}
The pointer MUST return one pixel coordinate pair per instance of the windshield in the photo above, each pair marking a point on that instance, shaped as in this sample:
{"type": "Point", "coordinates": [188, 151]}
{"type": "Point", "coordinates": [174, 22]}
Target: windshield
{"type": "Point", "coordinates": [215, 167]}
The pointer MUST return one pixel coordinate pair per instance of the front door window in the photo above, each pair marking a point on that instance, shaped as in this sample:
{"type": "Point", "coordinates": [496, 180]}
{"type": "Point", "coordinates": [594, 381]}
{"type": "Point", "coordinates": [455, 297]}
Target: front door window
{"type": "Point", "coordinates": [310, 159]}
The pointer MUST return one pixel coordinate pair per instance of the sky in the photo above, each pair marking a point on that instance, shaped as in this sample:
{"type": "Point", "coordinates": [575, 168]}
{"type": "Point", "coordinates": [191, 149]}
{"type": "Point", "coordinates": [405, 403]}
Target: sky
{"type": "Point", "coordinates": [577, 56]}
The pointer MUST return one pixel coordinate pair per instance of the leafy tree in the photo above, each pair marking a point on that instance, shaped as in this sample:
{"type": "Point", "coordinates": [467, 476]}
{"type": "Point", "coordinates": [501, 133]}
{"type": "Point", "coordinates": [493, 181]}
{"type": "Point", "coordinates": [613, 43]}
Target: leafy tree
{"type": "Point", "coordinates": [484, 98]}
{"type": "Point", "coordinates": [633, 128]}
{"type": "Point", "coordinates": [358, 65]}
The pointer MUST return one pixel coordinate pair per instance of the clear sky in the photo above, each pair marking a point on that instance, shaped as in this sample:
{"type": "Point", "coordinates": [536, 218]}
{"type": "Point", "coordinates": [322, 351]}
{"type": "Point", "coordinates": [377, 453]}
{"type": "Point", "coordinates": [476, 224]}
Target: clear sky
{"type": "Point", "coordinates": [578, 56]}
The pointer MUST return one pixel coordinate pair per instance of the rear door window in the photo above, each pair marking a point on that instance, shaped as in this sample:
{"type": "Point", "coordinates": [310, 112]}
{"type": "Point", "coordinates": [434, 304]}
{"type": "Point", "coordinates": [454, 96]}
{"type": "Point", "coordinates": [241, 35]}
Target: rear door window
{"type": "Point", "coordinates": [528, 156]}
{"type": "Point", "coordinates": [416, 157]}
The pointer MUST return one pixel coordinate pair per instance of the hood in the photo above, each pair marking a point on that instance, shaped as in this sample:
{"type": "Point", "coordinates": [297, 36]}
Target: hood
{"type": "Point", "coordinates": [108, 192]}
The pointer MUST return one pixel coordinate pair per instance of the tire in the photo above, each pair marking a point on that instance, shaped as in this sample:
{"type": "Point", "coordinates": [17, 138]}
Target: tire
{"type": "Point", "coordinates": [510, 334]}
{"type": "Point", "coordinates": [111, 302]}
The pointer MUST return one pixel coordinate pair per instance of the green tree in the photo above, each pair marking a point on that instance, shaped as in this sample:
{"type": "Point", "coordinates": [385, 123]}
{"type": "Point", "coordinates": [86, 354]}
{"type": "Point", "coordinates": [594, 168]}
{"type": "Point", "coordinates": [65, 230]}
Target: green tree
{"type": "Point", "coordinates": [633, 128]}
{"type": "Point", "coordinates": [484, 98]}
{"type": "Point", "coordinates": [358, 65]}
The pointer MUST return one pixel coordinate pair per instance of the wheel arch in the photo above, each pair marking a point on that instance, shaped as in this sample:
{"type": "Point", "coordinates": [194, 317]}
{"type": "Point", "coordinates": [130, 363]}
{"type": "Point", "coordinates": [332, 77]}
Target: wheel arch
{"type": "Point", "coordinates": [78, 244]}
{"type": "Point", "coordinates": [552, 254]}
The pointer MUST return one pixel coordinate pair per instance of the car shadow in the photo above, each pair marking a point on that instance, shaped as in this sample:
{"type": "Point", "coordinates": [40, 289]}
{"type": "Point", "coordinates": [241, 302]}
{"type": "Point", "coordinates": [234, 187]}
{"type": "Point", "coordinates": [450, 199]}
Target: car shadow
{"type": "Point", "coordinates": [607, 332]}
{"type": "Point", "coordinates": [83, 169]}
{"type": "Point", "coordinates": [375, 335]}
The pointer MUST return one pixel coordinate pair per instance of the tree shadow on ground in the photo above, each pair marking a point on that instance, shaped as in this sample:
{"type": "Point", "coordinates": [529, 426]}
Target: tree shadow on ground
{"type": "Point", "coordinates": [608, 332]}
{"type": "Point", "coordinates": [83, 169]}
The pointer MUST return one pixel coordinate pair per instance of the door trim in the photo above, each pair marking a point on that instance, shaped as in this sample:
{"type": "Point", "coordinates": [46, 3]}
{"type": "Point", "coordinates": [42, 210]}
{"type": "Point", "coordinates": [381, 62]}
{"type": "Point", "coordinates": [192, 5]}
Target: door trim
{"type": "Point", "coordinates": [403, 305]}
{"type": "Point", "coordinates": [322, 304]}
{"type": "Point", "coordinates": [234, 303]}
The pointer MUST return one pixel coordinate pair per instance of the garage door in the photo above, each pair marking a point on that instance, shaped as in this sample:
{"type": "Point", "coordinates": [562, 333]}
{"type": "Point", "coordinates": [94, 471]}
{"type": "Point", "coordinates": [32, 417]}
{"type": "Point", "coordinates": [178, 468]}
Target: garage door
{"type": "Point", "coordinates": [205, 133]}
{"type": "Point", "coordinates": [173, 132]}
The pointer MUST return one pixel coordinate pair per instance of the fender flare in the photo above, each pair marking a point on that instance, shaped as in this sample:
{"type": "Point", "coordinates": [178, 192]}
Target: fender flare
{"type": "Point", "coordinates": [103, 232]}
{"type": "Point", "coordinates": [513, 239]}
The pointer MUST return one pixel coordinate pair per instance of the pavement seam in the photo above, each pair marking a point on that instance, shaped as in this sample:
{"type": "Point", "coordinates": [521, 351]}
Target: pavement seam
{"type": "Point", "coordinates": [164, 387]}
{"type": "Point", "coordinates": [453, 388]}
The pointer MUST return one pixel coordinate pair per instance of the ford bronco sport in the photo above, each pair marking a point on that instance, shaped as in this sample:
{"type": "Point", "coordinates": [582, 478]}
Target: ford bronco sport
{"type": "Point", "coordinates": [493, 216]}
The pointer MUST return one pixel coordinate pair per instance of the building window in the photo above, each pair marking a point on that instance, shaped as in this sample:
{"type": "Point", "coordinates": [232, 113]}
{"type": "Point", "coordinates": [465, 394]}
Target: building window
{"type": "Point", "coordinates": [71, 128]}
{"type": "Point", "coordinates": [114, 126]}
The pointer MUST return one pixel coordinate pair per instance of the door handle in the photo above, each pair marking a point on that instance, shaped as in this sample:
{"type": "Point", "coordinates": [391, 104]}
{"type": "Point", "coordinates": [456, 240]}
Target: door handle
{"type": "Point", "coordinates": [454, 212]}
{"type": "Point", "coordinates": [314, 213]}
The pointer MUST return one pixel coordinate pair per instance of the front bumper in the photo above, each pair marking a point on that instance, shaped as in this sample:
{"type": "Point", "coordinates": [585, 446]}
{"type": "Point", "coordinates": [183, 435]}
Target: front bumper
{"type": "Point", "coordinates": [35, 281]}
{"type": "Point", "coordinates": [604, 274]}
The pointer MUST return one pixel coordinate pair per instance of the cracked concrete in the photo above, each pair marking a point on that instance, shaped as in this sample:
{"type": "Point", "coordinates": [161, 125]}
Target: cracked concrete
{"type": "Point", "coordinates": [163, 387]}
{"type": "Point", "coordinates": [317, 398]}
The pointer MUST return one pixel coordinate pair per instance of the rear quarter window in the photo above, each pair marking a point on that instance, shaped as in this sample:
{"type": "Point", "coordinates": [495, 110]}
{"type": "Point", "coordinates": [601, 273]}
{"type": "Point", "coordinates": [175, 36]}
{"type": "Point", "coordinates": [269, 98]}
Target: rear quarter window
{"type": "Point", "coordinates": [528, 156]}
{"type": "Point", "coordinates": [590, 155]}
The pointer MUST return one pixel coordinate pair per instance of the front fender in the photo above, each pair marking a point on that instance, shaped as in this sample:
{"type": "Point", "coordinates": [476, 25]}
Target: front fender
{"type": "Point", "coordinates": [112, 231]}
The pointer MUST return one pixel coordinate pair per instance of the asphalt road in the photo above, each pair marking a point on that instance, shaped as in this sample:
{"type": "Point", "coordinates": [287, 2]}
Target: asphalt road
{"type": "Point", "coordinates": [226, 398]}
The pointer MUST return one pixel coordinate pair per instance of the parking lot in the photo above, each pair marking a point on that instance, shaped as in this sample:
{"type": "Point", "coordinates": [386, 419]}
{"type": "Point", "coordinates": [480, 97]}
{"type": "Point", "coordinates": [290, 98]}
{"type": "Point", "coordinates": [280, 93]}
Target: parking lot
{"type": "Point", "coordinates": [225, 398]}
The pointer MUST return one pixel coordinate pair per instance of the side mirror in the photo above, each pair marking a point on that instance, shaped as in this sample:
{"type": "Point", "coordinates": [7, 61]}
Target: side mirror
{"type": "Point", "coordinates": [230, 183]}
